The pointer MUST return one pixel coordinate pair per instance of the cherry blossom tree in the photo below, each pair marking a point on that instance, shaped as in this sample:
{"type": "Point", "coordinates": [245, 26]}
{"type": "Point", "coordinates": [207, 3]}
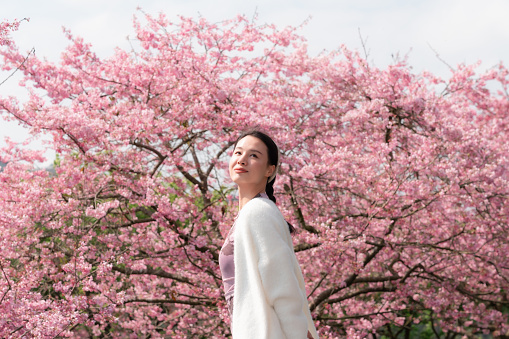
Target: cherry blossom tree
{"type": "Point", "coordinates": [397, 182]}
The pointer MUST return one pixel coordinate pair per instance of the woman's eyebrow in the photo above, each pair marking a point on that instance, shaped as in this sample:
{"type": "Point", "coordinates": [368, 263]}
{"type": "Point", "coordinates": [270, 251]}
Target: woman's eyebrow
{"type": "Point", "coordinates": [252, 150]}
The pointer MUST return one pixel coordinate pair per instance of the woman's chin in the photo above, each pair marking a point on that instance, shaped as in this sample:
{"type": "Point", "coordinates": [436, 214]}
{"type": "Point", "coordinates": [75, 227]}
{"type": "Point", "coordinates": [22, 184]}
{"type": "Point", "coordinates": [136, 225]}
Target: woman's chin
{"type": "Point", "coordinates": [238, 178]}
{"type": "Point", "coordinates": [243, 183]}
{"type": "Point", "coordinates": [239, 181]}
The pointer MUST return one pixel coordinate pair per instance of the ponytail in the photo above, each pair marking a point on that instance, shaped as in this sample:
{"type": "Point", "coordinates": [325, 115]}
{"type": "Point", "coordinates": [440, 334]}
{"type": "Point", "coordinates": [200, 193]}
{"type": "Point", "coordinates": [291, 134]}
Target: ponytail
{"type": "Point", "coordinates": [269, 189]}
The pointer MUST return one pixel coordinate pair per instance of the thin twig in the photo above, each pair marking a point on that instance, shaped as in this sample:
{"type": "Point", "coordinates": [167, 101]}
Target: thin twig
{"type": "Point", "coordinates": [363, 43]}
{"type": "Point", "coordinates": [17, 68]}
{"type": "Point", "coordinates": [8, 282]}
{"type": "Point", "coordinates": [440, 58]}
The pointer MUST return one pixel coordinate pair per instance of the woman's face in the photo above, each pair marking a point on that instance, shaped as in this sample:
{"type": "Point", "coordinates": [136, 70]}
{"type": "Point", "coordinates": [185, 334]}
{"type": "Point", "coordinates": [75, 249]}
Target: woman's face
{"type": "Point", "coordinates": [249, 164]}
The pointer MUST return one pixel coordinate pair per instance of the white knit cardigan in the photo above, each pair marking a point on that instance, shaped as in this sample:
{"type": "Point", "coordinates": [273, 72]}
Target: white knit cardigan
{"type": "Point", "coordinates": [270, 296]}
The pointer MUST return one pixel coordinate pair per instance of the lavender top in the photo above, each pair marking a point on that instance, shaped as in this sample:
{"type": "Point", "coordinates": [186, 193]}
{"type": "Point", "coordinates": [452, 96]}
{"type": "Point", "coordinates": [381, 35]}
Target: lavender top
{"type": "Point", "coordinates": [227, 265]}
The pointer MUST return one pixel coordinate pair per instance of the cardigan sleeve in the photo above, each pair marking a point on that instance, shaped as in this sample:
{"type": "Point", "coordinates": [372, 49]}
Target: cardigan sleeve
{"type": "Point", "coordinates": [277, 265]}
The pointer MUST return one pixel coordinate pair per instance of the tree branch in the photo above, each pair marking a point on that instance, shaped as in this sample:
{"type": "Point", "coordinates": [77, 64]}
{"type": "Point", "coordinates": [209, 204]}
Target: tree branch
{"type": "Point", "coordinates": [151, 271]}
{"type": "Point", "coordinates": [297, 210]}
{"type": "Point", "coordinates": [347, 282]}
{"type": "Point", "coordinates": [8, 283]}
{"type": "Point", "coordinates": [303, 247]}
{"type": "Point", "coordinates": [364, 291]}
{"type": "Point", "coordinates": [171, 301]}
{"type": "Point", "coordinates": [19, 67]}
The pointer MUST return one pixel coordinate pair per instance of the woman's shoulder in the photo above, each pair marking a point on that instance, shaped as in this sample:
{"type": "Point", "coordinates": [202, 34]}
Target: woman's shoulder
{"type": "Point", "coordinates": [259, 205]}
{"type": "Point", "coordinates": [261, 211]}
{"type": "Point", "coordinates": [260, 219]}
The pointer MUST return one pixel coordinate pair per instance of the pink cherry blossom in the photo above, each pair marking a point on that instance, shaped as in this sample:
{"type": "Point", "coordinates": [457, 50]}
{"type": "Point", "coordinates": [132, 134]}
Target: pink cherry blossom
{"type": "Point", "coordinates": [396, 181]}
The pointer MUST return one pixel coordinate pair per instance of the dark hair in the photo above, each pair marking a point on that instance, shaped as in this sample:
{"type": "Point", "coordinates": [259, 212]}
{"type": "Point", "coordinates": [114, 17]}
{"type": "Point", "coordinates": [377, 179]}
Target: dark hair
{"type": "Point", "coordinates": [273, 155]}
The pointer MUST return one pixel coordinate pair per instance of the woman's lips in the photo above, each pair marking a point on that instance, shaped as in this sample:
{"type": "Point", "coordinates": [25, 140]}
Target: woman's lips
{"type": "Point", "coordinates": [240, 170]}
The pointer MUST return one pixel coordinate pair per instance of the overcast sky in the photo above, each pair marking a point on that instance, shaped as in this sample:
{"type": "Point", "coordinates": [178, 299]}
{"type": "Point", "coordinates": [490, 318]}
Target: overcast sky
{"type": "Point", "coordinates": [460, 31]}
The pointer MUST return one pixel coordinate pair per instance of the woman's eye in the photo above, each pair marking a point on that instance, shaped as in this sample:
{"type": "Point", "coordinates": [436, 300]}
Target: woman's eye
{"type": "Point", "coordinates": [254, 155]}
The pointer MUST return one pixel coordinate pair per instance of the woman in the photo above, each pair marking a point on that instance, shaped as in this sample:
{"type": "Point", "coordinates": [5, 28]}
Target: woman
{"type": "Point", "coordinates": [263, 283]}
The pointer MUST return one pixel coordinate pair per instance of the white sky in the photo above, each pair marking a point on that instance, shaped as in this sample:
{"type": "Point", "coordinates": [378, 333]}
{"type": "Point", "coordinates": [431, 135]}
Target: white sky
{"type": "Point", "coordinates": [461, 31]}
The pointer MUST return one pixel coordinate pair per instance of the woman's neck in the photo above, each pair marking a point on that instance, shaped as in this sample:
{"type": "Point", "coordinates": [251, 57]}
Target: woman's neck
{"type": "Point", "coordinates": [248, 193]}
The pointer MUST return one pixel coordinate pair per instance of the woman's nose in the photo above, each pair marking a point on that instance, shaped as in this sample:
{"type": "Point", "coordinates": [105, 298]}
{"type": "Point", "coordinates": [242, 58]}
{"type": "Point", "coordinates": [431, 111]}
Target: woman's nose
{"type": "Point", "coordinates": [241, 161]}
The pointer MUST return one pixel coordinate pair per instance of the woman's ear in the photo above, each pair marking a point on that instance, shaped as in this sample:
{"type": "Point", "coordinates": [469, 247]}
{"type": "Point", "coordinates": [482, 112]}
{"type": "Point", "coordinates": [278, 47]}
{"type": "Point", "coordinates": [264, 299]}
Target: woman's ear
{"type": "Point", "coordinates": [270, 170]}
